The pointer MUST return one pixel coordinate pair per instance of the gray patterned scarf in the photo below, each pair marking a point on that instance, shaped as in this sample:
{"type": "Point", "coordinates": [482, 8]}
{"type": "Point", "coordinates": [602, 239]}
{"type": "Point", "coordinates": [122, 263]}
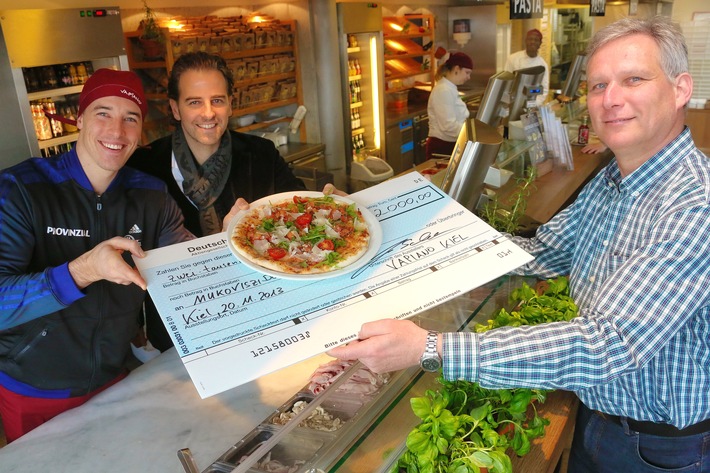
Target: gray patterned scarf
{"type": "Point", "coordinates": [204, 185]}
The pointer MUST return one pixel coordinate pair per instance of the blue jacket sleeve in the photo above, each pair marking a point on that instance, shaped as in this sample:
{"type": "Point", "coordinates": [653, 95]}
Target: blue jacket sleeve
{"type": "Point", "coordinates": [26, 295]}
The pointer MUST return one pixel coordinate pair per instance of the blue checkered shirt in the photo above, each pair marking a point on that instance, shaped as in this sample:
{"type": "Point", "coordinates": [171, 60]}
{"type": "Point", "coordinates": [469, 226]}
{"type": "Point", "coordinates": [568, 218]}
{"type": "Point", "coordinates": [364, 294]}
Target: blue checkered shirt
{"type": "Point", "coordinates": [637, 251]}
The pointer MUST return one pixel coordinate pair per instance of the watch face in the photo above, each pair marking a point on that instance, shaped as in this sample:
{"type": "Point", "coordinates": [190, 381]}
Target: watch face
{"type": "Point", "coordinates": [431, 364]}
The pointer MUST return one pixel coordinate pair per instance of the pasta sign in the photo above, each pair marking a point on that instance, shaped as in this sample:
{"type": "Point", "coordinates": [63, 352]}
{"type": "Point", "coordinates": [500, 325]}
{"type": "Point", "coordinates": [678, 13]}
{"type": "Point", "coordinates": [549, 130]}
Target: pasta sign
{"type": "Point", "coordinates": [524, 9]}
{"type": "Point", "coordinates": [597, 7]}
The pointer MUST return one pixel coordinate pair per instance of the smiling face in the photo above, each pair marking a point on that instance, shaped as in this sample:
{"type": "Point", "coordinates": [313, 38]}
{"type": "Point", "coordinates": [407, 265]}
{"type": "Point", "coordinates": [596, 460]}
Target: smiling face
{"type": "Point", "coordinates": [203, 110]}
{"type": "Point", "coordinates": [532, 44]}
{"type": "Point", "coordinates": [634, 107]}
{"type": "Point", "coordinates": [110, 132]}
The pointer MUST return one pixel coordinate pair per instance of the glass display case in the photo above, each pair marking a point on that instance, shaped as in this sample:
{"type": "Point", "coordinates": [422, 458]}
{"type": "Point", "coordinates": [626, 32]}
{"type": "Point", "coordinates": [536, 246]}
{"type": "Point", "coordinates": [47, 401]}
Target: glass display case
{"type": "Point", "coordinates": [340, 430]}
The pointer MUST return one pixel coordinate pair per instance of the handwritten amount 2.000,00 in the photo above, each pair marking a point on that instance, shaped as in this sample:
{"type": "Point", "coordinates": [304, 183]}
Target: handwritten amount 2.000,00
{"type": "Point", "coordinates": [280, 344]}
{"type": "Point", "coordinates": [401, 204]}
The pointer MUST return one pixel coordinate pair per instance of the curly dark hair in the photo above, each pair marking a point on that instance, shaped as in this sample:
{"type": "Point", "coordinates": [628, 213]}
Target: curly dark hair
{"type": "Point", "coordinates": [200, 61]}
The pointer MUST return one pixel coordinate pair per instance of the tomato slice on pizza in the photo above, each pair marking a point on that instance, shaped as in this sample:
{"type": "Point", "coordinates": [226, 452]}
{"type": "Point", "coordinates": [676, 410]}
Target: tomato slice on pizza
{"type": "Point", "coordinates": [302, 235]}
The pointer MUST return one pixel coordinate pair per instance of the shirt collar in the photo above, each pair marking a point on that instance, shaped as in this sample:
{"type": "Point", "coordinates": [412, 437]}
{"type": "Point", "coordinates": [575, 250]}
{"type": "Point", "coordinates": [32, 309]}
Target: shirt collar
{"type": "Point", "coordinates": [659, 164]}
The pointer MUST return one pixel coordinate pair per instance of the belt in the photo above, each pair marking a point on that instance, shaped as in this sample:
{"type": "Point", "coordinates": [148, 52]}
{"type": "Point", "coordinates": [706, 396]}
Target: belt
{"type": "Point", "coordinates": [660, 430]}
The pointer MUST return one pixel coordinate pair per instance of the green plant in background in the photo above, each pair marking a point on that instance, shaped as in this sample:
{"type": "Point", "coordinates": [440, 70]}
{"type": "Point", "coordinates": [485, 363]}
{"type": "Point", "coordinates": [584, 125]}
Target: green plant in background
{"type": "Point", "coordinates": [507, 219]}
{"type": "Point", "coordinates": [149, 28]}
{"type": "Point", "coordinates": [466, 428]}
{"type": "Point", "coordinates": [552, 303]}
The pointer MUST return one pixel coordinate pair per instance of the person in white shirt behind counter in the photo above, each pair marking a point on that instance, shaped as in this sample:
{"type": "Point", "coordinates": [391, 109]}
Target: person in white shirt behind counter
{"type": "Point", "coordinates": [447, 111]}
{"type": "Point", "coordinates": [529, 57]}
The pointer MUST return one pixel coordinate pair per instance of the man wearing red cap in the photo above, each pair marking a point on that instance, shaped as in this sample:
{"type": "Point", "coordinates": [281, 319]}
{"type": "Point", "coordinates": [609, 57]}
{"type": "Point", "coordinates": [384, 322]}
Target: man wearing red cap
{"type": "Point", "coordinates": [70, 294]}
{"type": "Point", "coordinates": [529, 57]}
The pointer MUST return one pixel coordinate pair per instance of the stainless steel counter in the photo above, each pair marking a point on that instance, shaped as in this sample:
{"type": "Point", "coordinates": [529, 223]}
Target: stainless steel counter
{"type": "Point", "coordinates": [141, 423]}
{"type": "Point", "coordinates": [415, 109]}
{"type": "Point", "coordinates": [295, 151]}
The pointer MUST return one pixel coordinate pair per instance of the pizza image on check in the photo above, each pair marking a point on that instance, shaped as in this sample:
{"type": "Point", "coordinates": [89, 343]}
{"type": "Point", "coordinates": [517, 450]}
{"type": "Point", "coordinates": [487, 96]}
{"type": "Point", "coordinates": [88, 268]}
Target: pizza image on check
{"type": "Point", "coordinates": [301, 233]}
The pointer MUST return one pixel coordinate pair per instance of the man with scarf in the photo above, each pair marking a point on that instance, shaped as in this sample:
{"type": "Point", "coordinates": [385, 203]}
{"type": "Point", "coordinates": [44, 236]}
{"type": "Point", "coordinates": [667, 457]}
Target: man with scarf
{"type": "Point", "coordinates": [206, 166]}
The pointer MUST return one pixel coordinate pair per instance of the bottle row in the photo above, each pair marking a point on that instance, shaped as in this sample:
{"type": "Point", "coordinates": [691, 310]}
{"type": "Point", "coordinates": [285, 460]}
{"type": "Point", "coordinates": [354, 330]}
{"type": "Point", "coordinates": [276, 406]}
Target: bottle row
{"type": "Point", "coordinates": [354, 68]}
{"type": "Point", "coordinates": [355, 121]}
{"type": "Point", "coordinates": [46, 127]}
{"type": "Point", "coordinates": [58, 75]}
{"type": "Point", "coordinates": [54, 150]}
{"type": "Point", "coordinates": [355, 92]}
{"type": "Point", "coordinates": [358, 143]}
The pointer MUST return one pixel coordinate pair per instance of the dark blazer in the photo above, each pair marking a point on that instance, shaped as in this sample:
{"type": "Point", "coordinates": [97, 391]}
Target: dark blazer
{"type": "Point", "coordinates": [258, 170]}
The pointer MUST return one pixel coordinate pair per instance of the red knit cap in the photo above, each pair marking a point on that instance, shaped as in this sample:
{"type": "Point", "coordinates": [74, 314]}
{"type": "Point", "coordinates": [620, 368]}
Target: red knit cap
{"type": "Point", "coordinates": [535, 32]}
{"type": "Point", "coordinates": [459, 59]}
{"type": "Point", "coordinates": [110, 83]}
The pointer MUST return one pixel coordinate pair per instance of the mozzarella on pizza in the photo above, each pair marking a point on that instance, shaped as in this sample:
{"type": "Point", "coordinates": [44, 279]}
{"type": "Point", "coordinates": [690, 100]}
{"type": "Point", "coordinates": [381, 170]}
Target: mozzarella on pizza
{"type": "Point", "coordinates": [302, 235]}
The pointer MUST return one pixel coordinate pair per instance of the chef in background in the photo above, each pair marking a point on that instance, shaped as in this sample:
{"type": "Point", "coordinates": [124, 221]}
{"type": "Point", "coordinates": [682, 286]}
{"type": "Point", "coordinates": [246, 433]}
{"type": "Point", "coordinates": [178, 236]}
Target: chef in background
{"type": "Point", "coordinates": [447, 111]}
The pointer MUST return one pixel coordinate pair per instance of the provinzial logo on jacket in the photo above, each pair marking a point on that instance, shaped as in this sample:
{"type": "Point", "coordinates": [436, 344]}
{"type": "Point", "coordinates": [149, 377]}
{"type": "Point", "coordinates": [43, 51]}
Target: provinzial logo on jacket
{"type": "Point", "coordinates": [72, 232]}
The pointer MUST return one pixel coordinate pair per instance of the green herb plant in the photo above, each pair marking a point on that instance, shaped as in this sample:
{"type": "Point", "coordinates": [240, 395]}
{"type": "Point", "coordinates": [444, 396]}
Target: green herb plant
{"type": "Point", "coordinates": [148, 26]}
{"type": "Point", "coordinates": [551, 303]}
{"type": "Point", "coordinates": [507, 219]}
{"type": "Point", "coordinates": [466, 428]}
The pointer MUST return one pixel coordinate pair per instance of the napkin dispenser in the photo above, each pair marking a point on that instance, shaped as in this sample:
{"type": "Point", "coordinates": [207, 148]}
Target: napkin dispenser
{"type": "Point", "coordinates": [278, 138]}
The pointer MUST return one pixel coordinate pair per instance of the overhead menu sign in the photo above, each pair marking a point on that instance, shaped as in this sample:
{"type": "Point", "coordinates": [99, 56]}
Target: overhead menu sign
{"type": "Point", "coordinates": [597, 7]}
{"type": "Point", "coordinates": [525, 9]}
{"type": "Point", "coordinates": [231, 324]}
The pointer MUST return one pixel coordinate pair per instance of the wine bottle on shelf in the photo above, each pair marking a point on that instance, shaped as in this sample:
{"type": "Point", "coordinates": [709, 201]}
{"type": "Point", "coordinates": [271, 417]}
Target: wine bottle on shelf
{"type": "Point", "coordinates": [70, 115]}
{"type": "Point", "coordinates": [41, 122]}
{"type": "Point", "coordinates": [583, 132]}
{"type": "Point", "coordinates": [57, 128]}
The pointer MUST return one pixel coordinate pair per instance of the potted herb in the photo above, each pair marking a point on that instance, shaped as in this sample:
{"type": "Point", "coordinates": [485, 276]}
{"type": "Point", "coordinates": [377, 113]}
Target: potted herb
{"type": "Point", "coordinates": [151, 37]}
{"type": "Point", "coordinates": [466, 428]}
{"type": "Point", "coordinates": [508, 219]}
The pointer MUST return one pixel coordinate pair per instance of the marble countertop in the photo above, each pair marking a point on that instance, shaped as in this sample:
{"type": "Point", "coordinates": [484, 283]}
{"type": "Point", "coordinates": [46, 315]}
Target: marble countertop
{"type": "Point", "coordinates": [140, 423]}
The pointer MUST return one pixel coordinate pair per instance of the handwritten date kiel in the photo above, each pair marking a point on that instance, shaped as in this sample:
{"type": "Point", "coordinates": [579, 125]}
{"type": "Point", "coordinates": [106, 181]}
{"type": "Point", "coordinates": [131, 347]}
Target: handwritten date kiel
{"type": "Point", "coordinates": [228, 307]}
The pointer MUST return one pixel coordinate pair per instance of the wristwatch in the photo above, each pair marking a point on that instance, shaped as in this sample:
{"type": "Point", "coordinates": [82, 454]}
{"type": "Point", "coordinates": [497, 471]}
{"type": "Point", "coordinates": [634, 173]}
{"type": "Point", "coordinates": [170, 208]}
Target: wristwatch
{"type": "Point", "coordinates": [430, 360]}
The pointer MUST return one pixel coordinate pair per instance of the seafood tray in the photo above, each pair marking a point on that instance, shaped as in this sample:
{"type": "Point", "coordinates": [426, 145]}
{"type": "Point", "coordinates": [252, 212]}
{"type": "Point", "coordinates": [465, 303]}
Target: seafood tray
{"type": "Point", "coordinates": [309, 432]}
{"type": "Point", "coordinates": [292, 453]}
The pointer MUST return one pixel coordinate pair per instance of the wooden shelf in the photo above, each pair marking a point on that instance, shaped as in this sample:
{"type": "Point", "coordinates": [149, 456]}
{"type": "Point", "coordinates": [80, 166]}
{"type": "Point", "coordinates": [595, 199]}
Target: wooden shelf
{"type": "Point", "coordinates": [403, 75]}
{"type": "Point", "coordinates": [135, 62]}
{"type": "Point", "coordinates": [264, 106]}
{"type": "Point", "coordinates": [51, 93]}
{"type": "Point", "coordinates": [394, 57]}
{"type": "Point", "coordinates": [408, 45]}
{"type": "Point", "coordinates": [147, 64]}
{"type": "Point", "coordinates": [59, 140]}
{"type": "Point", "coordinates": [257, 52]}
{"type": "Point", "coordinates": [267, 78]}
{"type": "Point", "coordinates": [259, 125]}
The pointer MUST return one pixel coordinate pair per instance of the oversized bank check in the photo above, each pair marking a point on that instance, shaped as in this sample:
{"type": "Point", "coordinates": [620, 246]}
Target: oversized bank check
{"type": "Point", "coordinates": [231, 324]}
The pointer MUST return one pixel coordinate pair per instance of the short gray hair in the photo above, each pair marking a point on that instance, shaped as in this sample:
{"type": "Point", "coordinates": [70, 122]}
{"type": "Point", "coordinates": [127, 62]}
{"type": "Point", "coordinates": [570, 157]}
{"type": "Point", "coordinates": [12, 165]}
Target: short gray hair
{"type": "Point", "coordinates": [667, 35]}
